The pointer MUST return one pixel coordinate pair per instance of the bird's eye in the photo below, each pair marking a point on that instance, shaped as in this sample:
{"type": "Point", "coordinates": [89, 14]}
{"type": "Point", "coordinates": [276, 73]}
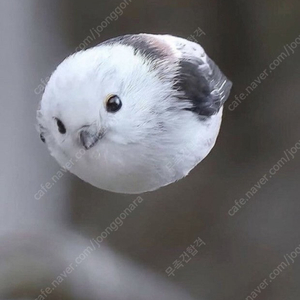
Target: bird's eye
{"type": "Point", "coordinates": [61, 126]}
{"type": "Point", "coordinates": [42, 138]}
{"type": "Point", "coordinates": [113, 104]}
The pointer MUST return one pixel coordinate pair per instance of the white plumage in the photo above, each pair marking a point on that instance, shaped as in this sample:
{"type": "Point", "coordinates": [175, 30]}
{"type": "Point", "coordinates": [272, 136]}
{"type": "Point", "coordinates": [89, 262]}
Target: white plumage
{"type": "Point", "coordinates": [166, 96]}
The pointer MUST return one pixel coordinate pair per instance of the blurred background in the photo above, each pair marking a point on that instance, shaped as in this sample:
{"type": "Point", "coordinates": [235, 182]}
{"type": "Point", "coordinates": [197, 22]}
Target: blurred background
{"type": "Point", "coordinates": [41, 234]}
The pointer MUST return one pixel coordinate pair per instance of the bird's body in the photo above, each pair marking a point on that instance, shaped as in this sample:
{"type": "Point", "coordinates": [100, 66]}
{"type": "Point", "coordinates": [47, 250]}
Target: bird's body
{"type": "Point", "coordinates": [134, 113]}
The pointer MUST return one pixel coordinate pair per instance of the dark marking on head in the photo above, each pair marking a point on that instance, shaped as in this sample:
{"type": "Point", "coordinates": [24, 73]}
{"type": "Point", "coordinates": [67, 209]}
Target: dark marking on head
{"type": "Point", "coordinates": [143, 44]}
{"type": "Point", "coordinates": [202, 84]}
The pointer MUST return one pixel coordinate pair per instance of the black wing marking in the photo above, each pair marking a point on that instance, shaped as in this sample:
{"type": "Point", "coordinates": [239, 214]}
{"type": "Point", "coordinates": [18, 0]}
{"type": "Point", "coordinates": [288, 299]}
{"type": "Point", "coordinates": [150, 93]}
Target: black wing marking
{"type": "Point", "coordinates": [198, 78]}
{"type": "Point", "coordinates": [203, 84]}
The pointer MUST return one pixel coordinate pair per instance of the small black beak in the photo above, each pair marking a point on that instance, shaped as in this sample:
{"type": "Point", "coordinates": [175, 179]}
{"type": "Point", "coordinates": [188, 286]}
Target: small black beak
{"type": "Point", "coordinates": [89, 137]}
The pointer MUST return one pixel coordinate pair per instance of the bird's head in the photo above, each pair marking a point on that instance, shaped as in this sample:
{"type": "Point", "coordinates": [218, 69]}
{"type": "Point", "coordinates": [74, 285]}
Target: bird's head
{"type": "Point", "coordinates": [99, 96]}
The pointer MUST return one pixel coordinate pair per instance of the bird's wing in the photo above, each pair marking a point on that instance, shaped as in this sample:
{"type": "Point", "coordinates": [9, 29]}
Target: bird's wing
{"type": "Point", "coordinates": [199, 78]}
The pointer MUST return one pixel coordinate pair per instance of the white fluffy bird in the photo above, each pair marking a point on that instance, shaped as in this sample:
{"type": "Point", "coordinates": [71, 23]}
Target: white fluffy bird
{"type": "Point", "coordinates": [135, 113]}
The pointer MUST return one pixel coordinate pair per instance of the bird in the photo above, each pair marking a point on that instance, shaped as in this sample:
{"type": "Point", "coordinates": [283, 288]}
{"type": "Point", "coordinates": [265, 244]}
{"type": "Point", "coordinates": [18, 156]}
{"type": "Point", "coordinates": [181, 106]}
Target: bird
{"type": "Point", "coordinates": [134, 113]}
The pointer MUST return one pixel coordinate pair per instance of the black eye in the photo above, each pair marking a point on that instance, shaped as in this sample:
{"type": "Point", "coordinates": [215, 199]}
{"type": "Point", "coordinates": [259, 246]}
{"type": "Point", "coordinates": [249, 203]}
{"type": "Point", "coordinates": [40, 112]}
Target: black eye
{"type": "Point", "coordinates": [113, 104]}
{"type": "Point", "coordinates": [61, 126]}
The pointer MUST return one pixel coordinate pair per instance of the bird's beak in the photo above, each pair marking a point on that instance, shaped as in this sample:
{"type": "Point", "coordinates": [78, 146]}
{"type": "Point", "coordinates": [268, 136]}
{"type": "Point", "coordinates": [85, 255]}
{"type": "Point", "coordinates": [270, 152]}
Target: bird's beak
{"type": "Point", "coordinates": [90, 135]}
